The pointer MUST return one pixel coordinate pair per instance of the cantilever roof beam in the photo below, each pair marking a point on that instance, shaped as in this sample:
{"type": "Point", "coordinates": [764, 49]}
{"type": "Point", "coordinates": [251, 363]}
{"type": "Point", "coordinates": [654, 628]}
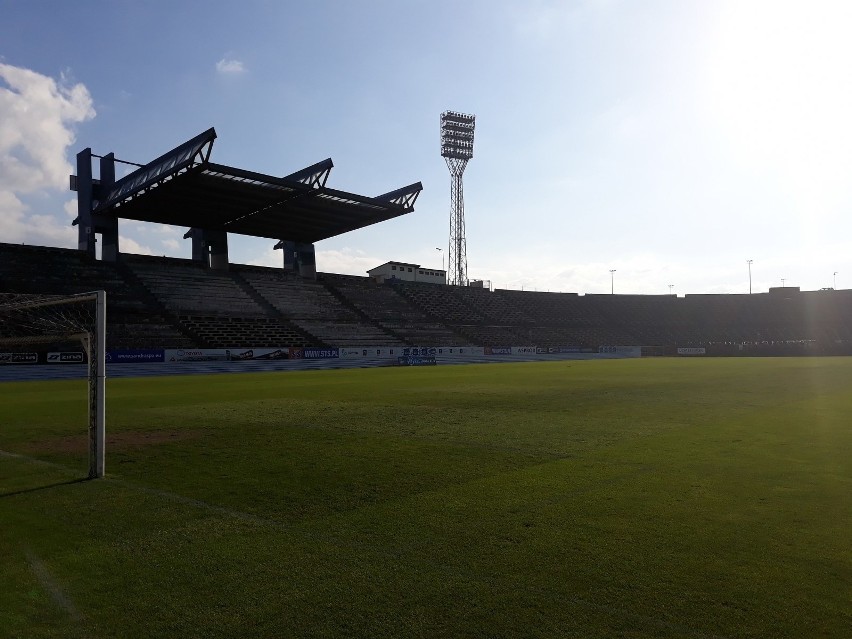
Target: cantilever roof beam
{"type": "Point", "coordinates": [315, 175]}
{"type": "Point", "coordinates": [190, 153]}
{"type": "Point", "coordinates": [404, 197]}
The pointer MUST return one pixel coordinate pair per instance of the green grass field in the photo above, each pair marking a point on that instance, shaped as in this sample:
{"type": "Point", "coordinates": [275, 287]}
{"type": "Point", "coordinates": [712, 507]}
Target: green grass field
{"type": "Point", "coordinates": [630, 498]}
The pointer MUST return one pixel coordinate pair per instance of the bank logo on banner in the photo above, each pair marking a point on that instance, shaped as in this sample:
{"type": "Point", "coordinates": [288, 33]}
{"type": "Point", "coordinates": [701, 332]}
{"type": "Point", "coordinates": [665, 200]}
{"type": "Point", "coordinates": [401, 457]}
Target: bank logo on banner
{"type": "Point", "coordinates": [65, 358]}
{"type": "Point", "coordinates": [18, 358]}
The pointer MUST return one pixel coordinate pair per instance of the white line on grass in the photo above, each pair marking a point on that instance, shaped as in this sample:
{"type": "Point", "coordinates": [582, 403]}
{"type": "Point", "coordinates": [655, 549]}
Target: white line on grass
{"type": "Point", "coordinates": [51, 586]}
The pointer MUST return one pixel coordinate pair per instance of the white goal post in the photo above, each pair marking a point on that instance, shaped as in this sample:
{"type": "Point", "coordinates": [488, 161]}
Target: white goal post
{"type": "Point", "coordinates": [28, 319]}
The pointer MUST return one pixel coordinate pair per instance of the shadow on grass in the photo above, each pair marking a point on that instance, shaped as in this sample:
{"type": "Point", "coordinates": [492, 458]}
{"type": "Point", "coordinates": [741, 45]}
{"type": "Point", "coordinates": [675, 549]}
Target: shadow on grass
{"type": "Point", "coordinates": [46, 487]}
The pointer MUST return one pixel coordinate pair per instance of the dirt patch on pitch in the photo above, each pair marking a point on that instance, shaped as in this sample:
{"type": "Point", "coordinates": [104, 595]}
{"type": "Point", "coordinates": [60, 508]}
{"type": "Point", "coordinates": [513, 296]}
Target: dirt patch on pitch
{"type": "Point", "coordinates": [115, 442]}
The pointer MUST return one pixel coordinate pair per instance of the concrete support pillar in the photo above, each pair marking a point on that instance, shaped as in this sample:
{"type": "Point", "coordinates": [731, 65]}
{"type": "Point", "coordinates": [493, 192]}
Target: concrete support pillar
{"type": "Point", "coordinates": [217, 241]}
{"type": "Point", "coordinates": [199, 248]}
{"type": "Point", "coordinates": [209, 247]}
{"type": "Point", "coordinates": [288, 248]}
{"type": "Point", "coordinates": [306, 260]}
{"type": "Point", "coordinates": [85, 227]}
{"type": "Point", "coordinates": [107, 226]}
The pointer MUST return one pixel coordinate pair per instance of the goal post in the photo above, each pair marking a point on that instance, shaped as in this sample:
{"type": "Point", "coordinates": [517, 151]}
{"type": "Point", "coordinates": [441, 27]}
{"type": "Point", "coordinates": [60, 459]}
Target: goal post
{"type": "Point", "coordinates": [97, 388]}
{"type": "Point", "coordinates": [29, 319]}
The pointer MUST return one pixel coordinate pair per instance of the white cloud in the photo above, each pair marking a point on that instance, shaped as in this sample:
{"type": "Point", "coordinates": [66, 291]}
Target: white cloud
{"type": "Point", "coordinates": [168, 229]}
{"type": "Point", "coordinates": [268, 257]}
{"type": "Point", "coordinates": [171, 244]}
{"type": "Point", "coordinates": [18, 226]}
{"type": "Point", "coordinates": [37, 115]}
{"type": "Point", "coordinates": [346, 261]}
{"type": "Point", "coordinates": [230, 66]}
{"type": "Point", "coordinates": [129, 245]}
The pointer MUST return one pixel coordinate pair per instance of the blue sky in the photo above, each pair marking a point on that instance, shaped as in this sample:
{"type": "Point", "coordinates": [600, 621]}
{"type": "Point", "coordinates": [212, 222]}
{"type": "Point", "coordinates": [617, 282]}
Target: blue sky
{"type": "Point", "coordinates": [669, 140]}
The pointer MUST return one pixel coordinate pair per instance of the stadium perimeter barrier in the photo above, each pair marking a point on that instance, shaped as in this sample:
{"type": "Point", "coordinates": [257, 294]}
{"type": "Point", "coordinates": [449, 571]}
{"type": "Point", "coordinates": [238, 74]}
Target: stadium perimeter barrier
{"type": "Point", "coordinates": [180, 356]}
{"type": "Point", "coordinates": [143, 362]}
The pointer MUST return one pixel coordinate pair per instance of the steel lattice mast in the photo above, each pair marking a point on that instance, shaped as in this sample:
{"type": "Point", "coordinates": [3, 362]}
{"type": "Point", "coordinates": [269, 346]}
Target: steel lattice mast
{"type": "Point", "coordinates": [457, 148]}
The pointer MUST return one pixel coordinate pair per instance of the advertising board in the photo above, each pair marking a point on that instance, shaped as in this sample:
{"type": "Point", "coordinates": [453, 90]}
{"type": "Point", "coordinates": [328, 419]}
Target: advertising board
{"type": "Point", "coordinates": [18, 358]}
{"type": "Point", "coordinates": [135, 356]}
{"type": "Point", "coordinates": [416, 360]}
{"type": "Point", "coordinates": [320, 353]}
{"type": "Point", "coordinates": [66, 357]}
{"type": "Point", "coordinates": [175, 355]}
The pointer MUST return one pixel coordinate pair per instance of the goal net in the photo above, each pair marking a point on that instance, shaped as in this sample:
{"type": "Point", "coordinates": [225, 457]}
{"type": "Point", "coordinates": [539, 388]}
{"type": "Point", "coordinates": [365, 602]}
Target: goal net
{"type": "Point", "coordinates": [29, 321]}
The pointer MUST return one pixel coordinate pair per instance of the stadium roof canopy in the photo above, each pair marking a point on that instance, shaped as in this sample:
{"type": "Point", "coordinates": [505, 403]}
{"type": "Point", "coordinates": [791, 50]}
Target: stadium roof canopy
{"type": "Point", "coordinates": [183, 188]}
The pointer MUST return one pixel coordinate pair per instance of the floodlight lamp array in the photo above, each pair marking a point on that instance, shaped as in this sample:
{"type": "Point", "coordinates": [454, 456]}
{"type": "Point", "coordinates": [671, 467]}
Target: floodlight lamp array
{"type": "Point", "coordinates": [457, 135]}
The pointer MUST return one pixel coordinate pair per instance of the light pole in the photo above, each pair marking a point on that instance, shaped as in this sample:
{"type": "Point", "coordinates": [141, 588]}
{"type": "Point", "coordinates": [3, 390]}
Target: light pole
{"type": "Point", "coordinates": [611, 281]}
{"type": "Point", "coordinates": [835, 280]}
{"type": "Point", "coordinates": [457, 148]}
{"type": "Point", "coordinates": [671, 286]}
{"type": "Point", "coordinates": [782, 283]}
{"type": "Point", "coordinates": [442, 256]}
{"type": "Point", "coordinates": [749, 275]}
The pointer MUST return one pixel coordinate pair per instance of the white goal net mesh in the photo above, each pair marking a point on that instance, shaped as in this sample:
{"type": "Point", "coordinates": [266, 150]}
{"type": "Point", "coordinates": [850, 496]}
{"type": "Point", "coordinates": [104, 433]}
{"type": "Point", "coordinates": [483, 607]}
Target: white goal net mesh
{"type": "Point", "coordinates": [28, 320]}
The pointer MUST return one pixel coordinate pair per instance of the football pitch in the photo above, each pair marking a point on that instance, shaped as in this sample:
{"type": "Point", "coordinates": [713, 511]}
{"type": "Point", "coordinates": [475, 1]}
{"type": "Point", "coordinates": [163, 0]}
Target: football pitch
{"type": "Point", "coordinates": [622, 498]}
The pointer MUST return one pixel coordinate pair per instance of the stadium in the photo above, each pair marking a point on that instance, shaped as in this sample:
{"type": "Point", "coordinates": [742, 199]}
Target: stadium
{"type": "Point", "coordinates": [601, 465]}
{"type": "Point", "coordinates": [208, 307]}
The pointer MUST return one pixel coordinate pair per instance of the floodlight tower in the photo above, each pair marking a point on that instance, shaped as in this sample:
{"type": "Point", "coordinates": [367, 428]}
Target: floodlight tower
{"type": "Point", "coordinates": [457, 149]}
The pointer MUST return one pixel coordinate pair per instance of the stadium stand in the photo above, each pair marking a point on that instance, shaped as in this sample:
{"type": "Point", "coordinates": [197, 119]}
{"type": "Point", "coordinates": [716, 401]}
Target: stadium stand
{"type": "Point", "coordinates": [134, 318]}
{"type": "Point", "coordinates": [212, 305]}
{"type": "Point", "coordinates": [381, 304]}
{"type": "Point", "coordinates": [157, 302]}
{"type": "Point", "coordinates": [316, 310]}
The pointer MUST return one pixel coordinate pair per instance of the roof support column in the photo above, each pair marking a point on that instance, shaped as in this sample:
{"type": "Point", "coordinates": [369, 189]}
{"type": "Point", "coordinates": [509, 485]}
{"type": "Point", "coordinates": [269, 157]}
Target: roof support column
{"type": "Point", "coordinates": [199, 249]}
{"type": "Point", "coordinates": [217, 241]}
{"type": "Point", "coordinates": [210, 247]}
{"type": "Point", "coordinates": [288, 248]}
{"type": "Point", "coordinates": [107, 226]}
{"type": "Point", "coordinates": [306, 260]}
{"type": "Point", "coordinates": [84, 187]}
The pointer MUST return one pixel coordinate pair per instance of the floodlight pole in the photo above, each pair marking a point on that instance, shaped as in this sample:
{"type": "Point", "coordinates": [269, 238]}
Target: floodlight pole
{"type": "Point", "coordinates": [612, 281]}
{"type": "Point", "coordinates": [457, 131]}
{"type": "Point", "coordinates": [671, 286]}
{"type": "Point", "coordinates": [835, 280]}
{"type": "Point", "coordinates": [442, 256]}
{"type": "Point", "coordinates": [749, 275]}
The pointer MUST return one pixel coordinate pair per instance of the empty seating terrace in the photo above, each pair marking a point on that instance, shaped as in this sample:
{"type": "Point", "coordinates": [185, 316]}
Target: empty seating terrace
{"type": "Point", "coordinates": [380, 303]}
{"type": "Point", "coordinates": [466, 312]}
{"type": "Point", "coordinates": [444, 302]}
{"type": "Point", "coordinates": [213, 305]}
{"type": "Point", "coordinates": [133, 321]}
{"type": "Point", "coordinates": [563, 319]}
{"type": "Point", "coordinates": [187, 287]}
{"type": "Point", "coordinates": [314, 308]}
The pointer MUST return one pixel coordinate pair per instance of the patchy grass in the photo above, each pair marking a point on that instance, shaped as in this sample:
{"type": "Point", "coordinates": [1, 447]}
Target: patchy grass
{"type": "Point", "coordinates": [635, 498]}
